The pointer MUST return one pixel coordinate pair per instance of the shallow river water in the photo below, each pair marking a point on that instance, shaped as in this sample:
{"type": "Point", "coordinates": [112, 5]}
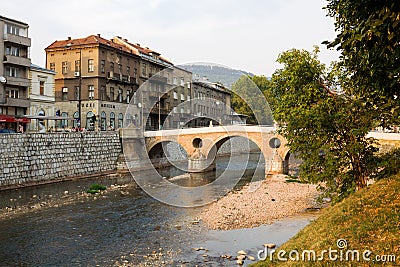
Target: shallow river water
{"type": "Point", "coordinates": [129, 228]}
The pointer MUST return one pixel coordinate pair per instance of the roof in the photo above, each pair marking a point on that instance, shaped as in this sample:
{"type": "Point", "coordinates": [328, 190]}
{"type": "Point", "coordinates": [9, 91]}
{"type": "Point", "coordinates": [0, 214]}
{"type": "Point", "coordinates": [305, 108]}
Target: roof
{"type": "Point", "coordinates": [89, 40]}
{"type": "Point", "coordinates": [214, 86]}
{"type": "Point", "coordinates": [143, 50]}
{"type": "Point", "coordinates": [37, 67]}
{"type": "Point", "coordinates": [14, 21]}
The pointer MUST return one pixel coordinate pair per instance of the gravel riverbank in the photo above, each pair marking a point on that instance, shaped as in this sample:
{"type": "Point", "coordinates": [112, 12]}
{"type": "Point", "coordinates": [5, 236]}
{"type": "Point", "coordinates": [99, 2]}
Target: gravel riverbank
{"type": "Point", "coordinates": [271, 200]}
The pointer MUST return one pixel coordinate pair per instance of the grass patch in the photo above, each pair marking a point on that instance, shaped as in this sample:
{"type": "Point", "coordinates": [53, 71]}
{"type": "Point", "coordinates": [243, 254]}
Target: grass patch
{"type": "Point", "coordinates": [96, 188]}
{"type": "Point", "coordinates": [368, 220]}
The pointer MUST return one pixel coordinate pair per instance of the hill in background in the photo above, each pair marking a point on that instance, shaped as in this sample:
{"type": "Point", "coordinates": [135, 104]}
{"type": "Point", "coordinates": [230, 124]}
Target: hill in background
{"type": "Point", "coordinates": [215, 73]}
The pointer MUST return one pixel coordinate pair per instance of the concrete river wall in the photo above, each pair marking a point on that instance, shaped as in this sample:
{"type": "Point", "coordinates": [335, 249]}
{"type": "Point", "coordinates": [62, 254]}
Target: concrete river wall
{"type": "Point", "coordinates": [34, 158]}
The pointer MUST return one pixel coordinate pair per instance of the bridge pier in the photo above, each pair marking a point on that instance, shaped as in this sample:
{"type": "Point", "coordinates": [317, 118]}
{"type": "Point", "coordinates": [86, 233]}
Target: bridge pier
{"type": "Point", "coordinates": [277, 165]}
{"type": "Point", "coordinates": [199, 163]}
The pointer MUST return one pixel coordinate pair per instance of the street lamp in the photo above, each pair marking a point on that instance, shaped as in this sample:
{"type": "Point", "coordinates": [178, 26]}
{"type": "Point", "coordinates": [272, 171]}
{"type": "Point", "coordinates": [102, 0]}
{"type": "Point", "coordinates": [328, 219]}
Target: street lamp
{"type": "Point", "coordinates": [79, 85]}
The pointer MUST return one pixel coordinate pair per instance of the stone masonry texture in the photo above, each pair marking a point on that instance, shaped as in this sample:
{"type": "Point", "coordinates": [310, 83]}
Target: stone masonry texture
{"type": "Point", "coordinates": [35, 158]}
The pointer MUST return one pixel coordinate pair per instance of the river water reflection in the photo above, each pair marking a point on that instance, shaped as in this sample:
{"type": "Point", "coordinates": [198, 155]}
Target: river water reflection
{"type": "Point", "coordinates": [129, 227]}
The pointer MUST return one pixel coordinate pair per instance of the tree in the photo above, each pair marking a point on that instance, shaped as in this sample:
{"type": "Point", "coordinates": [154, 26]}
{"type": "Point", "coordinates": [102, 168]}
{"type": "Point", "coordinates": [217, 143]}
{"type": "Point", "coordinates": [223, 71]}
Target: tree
{"type": "Point", "coordinates": [369, 40]}
{"type": "Point", "coordinates": [325, 129]}
{"type": "Point", "coordinates": [251, 97]}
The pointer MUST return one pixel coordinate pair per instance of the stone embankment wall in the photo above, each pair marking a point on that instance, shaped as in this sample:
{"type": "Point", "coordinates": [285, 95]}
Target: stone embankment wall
{"type": "Point", "coordinates": [35, 158]}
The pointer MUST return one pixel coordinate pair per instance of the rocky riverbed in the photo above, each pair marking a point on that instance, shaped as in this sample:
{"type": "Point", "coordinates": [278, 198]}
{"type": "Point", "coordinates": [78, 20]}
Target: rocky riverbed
{"type": "Point", "coordinates": [257, 204]}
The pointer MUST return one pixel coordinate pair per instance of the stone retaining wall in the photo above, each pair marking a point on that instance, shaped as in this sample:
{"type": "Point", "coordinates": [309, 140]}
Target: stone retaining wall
{"type": "Point", "coordinates": [35, 158]}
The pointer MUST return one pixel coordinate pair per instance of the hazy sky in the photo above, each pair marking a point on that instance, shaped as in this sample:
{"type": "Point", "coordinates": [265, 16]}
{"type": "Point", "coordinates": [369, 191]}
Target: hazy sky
{"type": "Point", "coordinates": [242, 34]}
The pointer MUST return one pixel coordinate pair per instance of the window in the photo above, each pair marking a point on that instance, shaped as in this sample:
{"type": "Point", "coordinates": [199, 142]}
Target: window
{"type": "Point", "coordinates": [144, 69]}
{"type": "Point", "coordinates": [64, 95]}
{"type": "Point", "coordinates": [120, 120]}
{"type": "Point", "coordinates": [188, 97]}
{"type": "Point", "coordinates": [182, 97]}
{"type": "Point", "coordinates": [120, 95]}
{"type": "Point", "coordinates": [128, 70]}
{"type": "Point", "coordinates": [77, 65]}
{"type": "Point", "coordinates": [41, 87]}
{"type": "Point", "coordinates": [64, 123]}
{"type": "Point", "coordinates": [135, 72]}
{"type": "Point", "coordinates": [103, 66]}
{"type": "Point", "coordinates": [111, 66]}
{"type": "Point", "coordinates": [11, 29]}
{"type": "Point", "coordinates": [90, 65]}
{"type": "Point", "coordinates": [64, 67]}
{"type": "Point", "coordinates": [112, 93]}
{"type": "Point", "coordinates": [112, 120]}
{"type": "Point", "coordinates": [76, 94]}
{"type": "Point", "coordinates": [12, 93]}
{"type": "Point", "coordinates": [119, 68]}
{"type": "Point", "coordinates": [90, 120]}
{"type": "Point", "coordinates": [128, 96]}
{"type": "Point", "coordinates": [52, 66]}
{"type": "Point", "coordinates": [182, 82]}
{"type": "Point", "coordinates": [102, 93]}
{"type": "Point", "coordinates": [91, 92]}
{"type": "Point", "coordinates": [11, 71]}
{"type": "Point", "coordinates": [76, 119]}
{"type": "Point", "coordinates": [12, 50]}
{"type": "Point", "coordinates": [188, 85]}
{"type": "Point", "coordinates": [175, 95]}
{"type": "Point", "coordinates": [175, 81]}
{"type": "Point", "coordinates": [103, 121]}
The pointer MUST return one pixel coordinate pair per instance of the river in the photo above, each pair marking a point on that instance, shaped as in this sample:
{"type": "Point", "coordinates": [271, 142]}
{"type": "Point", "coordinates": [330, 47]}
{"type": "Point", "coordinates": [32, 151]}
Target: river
{"type": "Point", "coordinates": [124, 226]}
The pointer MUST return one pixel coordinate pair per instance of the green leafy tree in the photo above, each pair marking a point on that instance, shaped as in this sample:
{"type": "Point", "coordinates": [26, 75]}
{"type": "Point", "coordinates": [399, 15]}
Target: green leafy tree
{"type": "Point", "coordinates": [325, 129]}
{"type": "Point", "coordinates": [369, 40]}
{"type": "Point", "coordinates": [251, 96]}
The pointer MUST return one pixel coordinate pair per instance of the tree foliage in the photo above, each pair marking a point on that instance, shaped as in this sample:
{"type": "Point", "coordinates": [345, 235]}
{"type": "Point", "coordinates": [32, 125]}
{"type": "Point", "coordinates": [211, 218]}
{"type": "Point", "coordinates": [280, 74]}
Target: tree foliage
{"type": "Point", "coordinates": [248, 98]}
{"type": "Point", "coordinates": [325, 129]}
{"type": "Point", "coordinates": [369, 40]}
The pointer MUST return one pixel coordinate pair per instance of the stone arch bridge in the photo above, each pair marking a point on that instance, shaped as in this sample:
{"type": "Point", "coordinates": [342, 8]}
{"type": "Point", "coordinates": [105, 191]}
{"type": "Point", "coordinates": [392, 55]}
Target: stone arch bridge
{"type": "Point", "coordinates": [202, 144]}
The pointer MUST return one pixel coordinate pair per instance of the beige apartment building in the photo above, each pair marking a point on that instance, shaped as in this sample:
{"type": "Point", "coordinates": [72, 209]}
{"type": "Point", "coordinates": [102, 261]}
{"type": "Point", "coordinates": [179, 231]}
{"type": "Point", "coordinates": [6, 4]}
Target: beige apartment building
{"type": "Point", "coordinates": [41, 95]}
{"type": "Point", "coordinates": [97, 79]}
{"type": "Point", "coordinates": [14, 68]}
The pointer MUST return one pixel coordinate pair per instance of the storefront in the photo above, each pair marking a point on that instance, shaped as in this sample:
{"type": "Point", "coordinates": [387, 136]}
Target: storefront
{"type": "Point", "coordinates": [11, 124]}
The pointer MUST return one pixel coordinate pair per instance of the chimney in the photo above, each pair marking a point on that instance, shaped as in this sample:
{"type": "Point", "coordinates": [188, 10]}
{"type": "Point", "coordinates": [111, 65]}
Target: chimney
{"type": "Point", "coordinates": [137, 44]}
{"type": "Point", "coordinates": [69, 38]}
{"type": "Point", "coordinates": [125, 40]}
{"type": "Point", "coordinates": [99, 35]}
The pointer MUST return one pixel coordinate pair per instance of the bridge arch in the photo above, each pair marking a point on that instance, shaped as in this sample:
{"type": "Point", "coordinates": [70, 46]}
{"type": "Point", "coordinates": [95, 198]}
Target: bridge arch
{"type": "Point", "coordinates": [210, 151]}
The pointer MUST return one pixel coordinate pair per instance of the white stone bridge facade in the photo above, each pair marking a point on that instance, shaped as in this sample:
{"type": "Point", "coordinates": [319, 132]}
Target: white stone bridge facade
{"type": "Point", "coordinates": [202, 144]}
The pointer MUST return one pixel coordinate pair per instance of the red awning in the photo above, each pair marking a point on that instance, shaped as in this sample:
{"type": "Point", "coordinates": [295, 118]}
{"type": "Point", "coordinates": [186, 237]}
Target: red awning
{"type": "Point", "coordinates": [23, 120]}
{"type": "Point", "coordinates": [8, 118]}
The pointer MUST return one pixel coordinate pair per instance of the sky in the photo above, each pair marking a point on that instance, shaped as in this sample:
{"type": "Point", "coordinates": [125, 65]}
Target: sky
{"type": "Point", "coordinates": [241, 34]}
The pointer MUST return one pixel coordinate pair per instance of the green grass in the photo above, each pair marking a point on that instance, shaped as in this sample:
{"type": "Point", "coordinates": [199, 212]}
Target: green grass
{"type": "Point", "coordinates": [95, 188]}
{"type": "Point", "coordinates": [368, 220]}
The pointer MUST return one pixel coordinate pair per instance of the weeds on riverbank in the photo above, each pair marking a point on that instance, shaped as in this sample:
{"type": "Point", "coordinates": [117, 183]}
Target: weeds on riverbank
{"type": "Point", "coordinates": [365, 222]}
{"type": "Point", "coordinates": [96, 188]}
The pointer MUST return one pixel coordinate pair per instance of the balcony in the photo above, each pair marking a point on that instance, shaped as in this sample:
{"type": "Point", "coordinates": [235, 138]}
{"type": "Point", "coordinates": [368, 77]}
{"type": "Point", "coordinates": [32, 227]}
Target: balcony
{"type": "Point", "coordinates": [16, 39]}
{"type": "Point", "coordinates": [18, 81]}
{"type": "Point", "coordinates": [18, 102]}
{"type": "Point", "coordinates": [21, 61]}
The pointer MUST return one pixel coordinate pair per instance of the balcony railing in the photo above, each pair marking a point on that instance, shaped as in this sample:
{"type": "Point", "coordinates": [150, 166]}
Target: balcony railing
{"type": "Point", "coordinates": [16, 39]}
{"type": "Point", "coordinates": [17, 81]}
{"type": "Point", "coordinates": [21, 61]}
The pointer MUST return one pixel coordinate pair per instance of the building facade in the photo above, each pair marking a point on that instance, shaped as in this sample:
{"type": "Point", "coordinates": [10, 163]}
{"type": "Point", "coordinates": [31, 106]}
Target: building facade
{"type": "Point", "coordinates": [14, 67]}
{"type": "Point", "coordinates": [211, 104]}
{"type": "Point", "coordinates": [163, 89]}
{"type": "Point", "coordinates": [97, 79]}
{"type": "Point", "coordinates": [41, 94]}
